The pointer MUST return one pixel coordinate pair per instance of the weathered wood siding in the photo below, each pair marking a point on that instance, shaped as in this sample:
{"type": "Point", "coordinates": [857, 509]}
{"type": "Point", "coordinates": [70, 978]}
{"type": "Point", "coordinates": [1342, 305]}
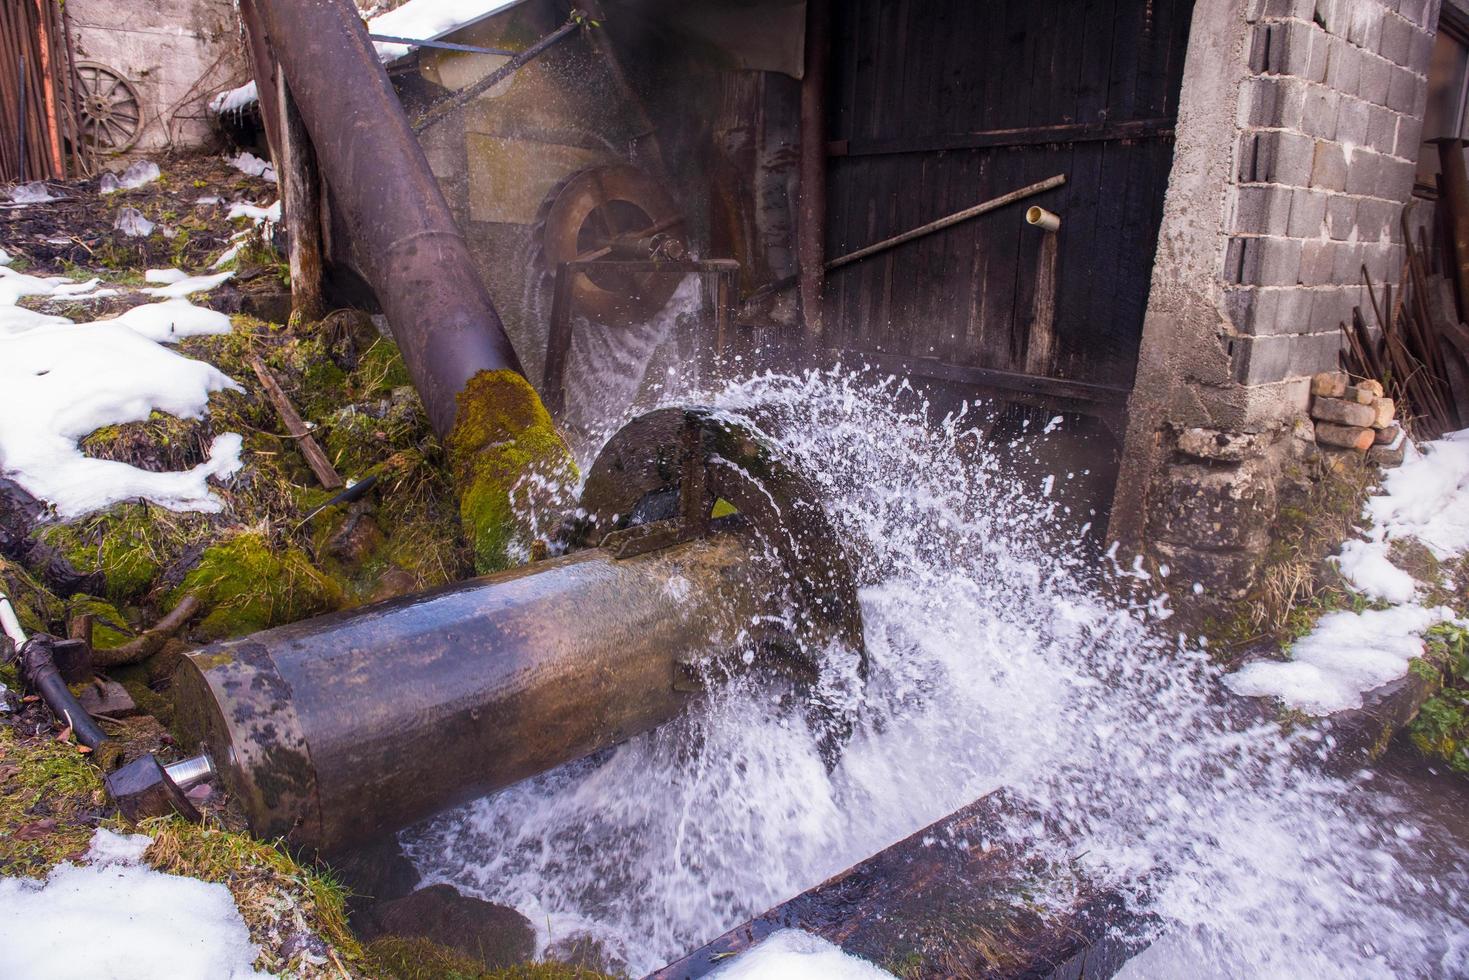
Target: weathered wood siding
{"type": "Point", "coordinates": [919, 90]}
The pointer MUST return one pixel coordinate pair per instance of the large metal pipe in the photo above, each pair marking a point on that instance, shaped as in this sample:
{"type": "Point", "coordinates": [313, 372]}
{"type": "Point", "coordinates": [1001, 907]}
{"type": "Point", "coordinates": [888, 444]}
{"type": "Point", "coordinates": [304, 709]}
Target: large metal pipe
{"type": "Point", "coordinates": [412, 254]}
{"type": "Point", "coordinates": [334, 731]}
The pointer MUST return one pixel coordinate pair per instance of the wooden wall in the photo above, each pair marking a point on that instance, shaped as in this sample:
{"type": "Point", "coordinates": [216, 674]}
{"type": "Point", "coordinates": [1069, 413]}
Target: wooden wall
{"type": "Point", "coordinates": [936, 105]}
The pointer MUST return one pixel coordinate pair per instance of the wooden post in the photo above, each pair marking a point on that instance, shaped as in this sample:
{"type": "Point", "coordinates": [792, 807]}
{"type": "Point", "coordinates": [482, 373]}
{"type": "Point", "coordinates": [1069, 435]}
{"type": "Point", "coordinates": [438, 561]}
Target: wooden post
{"type": "Point", "coordinates": [811, 219]}
{"type": "Point", "coordinates": [558, 342]}
{"type": "Point", "coordinates": [301, 206]}
{"type": "Point", "coordinates": [1453, 189]}
{"type": "Point", "coordinates": [1040, 349]}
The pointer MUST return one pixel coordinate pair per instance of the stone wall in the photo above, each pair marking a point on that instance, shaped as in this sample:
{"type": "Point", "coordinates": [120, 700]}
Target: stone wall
{"type": "Point", "coordinates": [1298, 132]}
{"type": "Point", "coordinates": [177, 53]}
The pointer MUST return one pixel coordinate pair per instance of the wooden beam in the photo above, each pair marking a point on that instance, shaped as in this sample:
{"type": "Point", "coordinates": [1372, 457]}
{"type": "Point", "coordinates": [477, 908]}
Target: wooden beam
{"type": "Point", "coordinates": [811, 216]}
{"type": "Point", "coordinates": [326, 474]}
{"type": "Point", "coordinates": [932, 367]}
{"type": "Point", "coordinates": [1040, 348]}
{"type": "Point", "coordinates": [1138, 129]}
{"type": "Point", "coordinates": [301, 205]}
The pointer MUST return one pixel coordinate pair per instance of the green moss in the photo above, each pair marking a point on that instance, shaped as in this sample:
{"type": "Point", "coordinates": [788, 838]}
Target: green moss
{"type": "Point", "coordinates": [400, 958]}
{"type": "Point", "coordinates": [108, 622]}
{"type": "Point", "coordinates": [503, 433]}
{"type": "Point", "coordinates": [128, 544]}
{"type": "Point", "coordinates": [47, 790]}
{"type": "Point", "coordinates": [1441, 728]}
{"type": "Point", "coordinates": [36, 608]}
{"type": "Point", "coordinates": [245, 585]}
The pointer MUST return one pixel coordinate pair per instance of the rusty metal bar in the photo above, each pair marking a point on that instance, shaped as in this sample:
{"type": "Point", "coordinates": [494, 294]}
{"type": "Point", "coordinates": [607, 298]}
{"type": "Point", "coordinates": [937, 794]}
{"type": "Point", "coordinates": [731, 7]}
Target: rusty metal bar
{"type": "Point", "coordinates": [337, 730]}
{"type": "Point", "coordinates": [412, 254]}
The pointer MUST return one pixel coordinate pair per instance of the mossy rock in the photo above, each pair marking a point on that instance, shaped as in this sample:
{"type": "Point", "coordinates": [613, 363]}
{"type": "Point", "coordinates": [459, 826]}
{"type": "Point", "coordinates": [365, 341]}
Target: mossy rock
{"type": "Point", "coordinates": [247, 584]}
{"type": "Point", "coordinates": [503, 445]}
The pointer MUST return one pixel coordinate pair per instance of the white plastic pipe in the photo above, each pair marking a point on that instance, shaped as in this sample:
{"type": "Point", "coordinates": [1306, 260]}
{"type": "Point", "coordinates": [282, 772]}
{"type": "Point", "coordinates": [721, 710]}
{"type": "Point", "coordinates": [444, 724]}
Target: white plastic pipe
{"type": "Point", "coordinates": [1042, 219]}
{"type": "Point", "coordinates": [9, 623]}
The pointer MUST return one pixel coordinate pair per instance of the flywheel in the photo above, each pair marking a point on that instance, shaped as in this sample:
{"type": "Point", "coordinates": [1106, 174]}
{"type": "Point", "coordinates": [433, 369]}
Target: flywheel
{"type": "Point", "coordinates": [618, 214]}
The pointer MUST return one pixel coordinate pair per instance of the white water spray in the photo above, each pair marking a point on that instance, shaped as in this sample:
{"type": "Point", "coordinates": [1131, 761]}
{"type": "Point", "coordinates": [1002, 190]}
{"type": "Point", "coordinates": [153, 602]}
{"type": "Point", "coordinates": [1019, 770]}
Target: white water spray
{"type": "Point", "coordinates": [995, 661]}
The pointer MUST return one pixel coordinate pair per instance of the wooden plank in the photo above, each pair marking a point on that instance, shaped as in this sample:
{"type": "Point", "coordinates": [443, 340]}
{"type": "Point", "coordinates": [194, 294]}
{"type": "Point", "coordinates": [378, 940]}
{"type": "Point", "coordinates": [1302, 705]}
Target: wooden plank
{"type": "Point", "coordinates": [301, 202]}
{"type": "Point", "coordinates": [326, 474]}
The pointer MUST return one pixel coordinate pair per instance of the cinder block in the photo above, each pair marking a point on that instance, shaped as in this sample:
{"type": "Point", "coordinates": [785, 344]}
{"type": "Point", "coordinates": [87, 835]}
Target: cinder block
{"type": "Point", "coordinates": [1328, 166]}
{"type": "Point", "coordinates": [1397, 39]}
{"type": "Point", "coordinates": [1373, 81]}
{"type": "Point", "coordinates": [1352, 121]}
{"type": "Point", "coordinates": [1374, 220]}
{"type": "Point", "coordinates": [1395, 180]}
{"type": "Point", "coordinates": [1418, 12]}
{"type": "Point", "coordinates": [1341, 212]}
{"type": "Point", "coordinates": [1410, 138]}
{"type": "Point", "coordinates": [1272, 102]}
{"type": "Point", "coordinates": [1344, 67]}
{"type": "Point", "coordinates": [1265, 360]}
{"type": "Point", "coordinates": [1330, 308]}
{"type": "Point", "coordinates": [1382, 128]}
{"type": "Point", "coordinates": [1307, 213]}
{"type": "Point", "coordinates": [1283, 9]}
{"type": "Point", "coordinates": [1364, 173]}
{"type": "Point", "coordinates": [1289, 51]}
{"type": "Point", "coordinates": [1292, 312]}
{"type": "Point", "coordinates": [1346, 268]}
{"type": "Point", "coordinates": [1317, 261]}
{"type": "Point", "coordinates": [1402, 90]}
{"type": "Point", "coordinates": [1364, 24]}
{"type": "Point", "coordinates": [1261, 209]}
{"type": "Point", "coordinates": [1421, 54]}
{"type": "Point", "coordinates": [1276, 158]}
{"type": "Point", "coordinates": [1319, 112]}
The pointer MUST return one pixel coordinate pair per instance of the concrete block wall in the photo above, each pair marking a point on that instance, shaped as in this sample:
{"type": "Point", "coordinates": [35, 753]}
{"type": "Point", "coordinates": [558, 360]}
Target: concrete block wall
{"type": "Point", "coordinates": [1329, 119]}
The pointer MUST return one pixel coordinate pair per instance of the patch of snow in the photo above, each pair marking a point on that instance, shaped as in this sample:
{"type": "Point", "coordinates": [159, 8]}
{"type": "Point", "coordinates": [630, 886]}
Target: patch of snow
{"type": "Point", "coordinates": [59, 385]}
{"type": "Point", "coordinates": [140, 173]}
{"type": "Point", "coordinates": [17, 320]}
{"type": "Point", "coordinates": [1428, 497]}
{"type": "Point", "coordinates": [179, 288]}
{"type": "Point", "coordinates": [5, 257]}
{"type": "Point", "coordinates": [251, 164]}
{"type": "Point", "coordinates": [208, 199]}
{"type": "Point", "coordinates": [130, 221]}
{"type": "Point", "coordinates": [235, 99]}
{"type": "Point", "coordinates": [227, 256]}
{"type": "Point", "coordinates": [792, 954]}
{"type": "Point", "coordinates": [428, 20]}
{"type": "Point", "coordinates": [119, 919]}
{"type": "Point", "coordinates": [15, 285]}
{"type": "Point", "coordinates": [1366, 567]}
{"type": "Point", "coordinates": [113, 848]}
{"type": "Point", "coordinates": [257, 214]}
{"type": "Point", "coordinates": [36, 192]}
{"type": "Point", "coordinates": [173, 319]}
{"type": "Point", "coordinates": [1345, 656]}
{"type": "Point", "coordinates": [165, 276]}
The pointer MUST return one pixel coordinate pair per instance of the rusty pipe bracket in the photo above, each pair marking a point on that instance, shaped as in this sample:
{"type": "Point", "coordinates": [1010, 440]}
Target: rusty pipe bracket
{"type": "Point", "coordinates": [657, 481]}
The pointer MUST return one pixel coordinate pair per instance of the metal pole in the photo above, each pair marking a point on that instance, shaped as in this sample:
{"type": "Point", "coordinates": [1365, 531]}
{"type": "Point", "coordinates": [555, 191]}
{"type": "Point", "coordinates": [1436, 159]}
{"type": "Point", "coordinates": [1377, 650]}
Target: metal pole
{"type": "Point", "coordinates": [400, 225]}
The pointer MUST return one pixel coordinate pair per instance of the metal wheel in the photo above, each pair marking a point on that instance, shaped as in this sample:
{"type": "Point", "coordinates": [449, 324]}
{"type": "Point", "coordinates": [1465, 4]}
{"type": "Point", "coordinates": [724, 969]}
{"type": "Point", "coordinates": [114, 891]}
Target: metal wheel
{"type": "Point", "coordinates": [594, 209]}
{"type": "Point", "coordinates": [109, 109]}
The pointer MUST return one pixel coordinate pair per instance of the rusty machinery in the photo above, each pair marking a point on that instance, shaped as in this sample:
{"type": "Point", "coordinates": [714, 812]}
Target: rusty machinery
{"type": "Point", "coordinates": [334, 731]}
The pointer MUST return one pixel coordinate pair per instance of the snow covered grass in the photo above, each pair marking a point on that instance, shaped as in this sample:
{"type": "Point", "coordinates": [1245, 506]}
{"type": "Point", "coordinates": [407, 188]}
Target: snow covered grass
{"type": "Point", "coordinates": [1349, 653]}
{"type": "Point", "coordinates": [136, 921]}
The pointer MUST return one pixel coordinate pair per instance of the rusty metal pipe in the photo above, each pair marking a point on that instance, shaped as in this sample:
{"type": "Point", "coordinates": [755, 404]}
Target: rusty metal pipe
{"type": "Point", "coordinates": [337, 730]}
{"type": "Point", "coordinates": [412, 254]}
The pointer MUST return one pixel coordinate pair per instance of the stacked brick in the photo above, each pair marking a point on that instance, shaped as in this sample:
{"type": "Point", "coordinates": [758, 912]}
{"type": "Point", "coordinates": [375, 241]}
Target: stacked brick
{"type": "Point", "coordinates": [1357, 417]}
{"type": "Point", "coordinates": [1329, 124]}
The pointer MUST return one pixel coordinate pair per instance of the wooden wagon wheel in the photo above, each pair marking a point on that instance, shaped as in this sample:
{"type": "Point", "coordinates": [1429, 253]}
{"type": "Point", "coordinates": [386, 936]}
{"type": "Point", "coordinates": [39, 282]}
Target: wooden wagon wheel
{"type": "Point", "coordinates": [109, 110]}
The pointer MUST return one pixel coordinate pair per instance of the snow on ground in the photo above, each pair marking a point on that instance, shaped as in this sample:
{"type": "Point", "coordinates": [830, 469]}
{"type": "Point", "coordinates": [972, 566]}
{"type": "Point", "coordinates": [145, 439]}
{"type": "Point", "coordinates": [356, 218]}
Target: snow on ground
{"type": "Point", "coordinates": [1351, 653]}
{"type": "Point", "coordinates": [792, 954]}
{"type": "Point", "coordinates": [256, 213]}
{"type": "Point", "coordinates": [60, 381]}
{"type": "Point", "coordinates": [139, 173]}
{"type": "Point", "coordinates": [35, 192]}
{"type": "Point", "coordinates": [251, 164]}
{"type": "Point", "coordinates": [117, 918]}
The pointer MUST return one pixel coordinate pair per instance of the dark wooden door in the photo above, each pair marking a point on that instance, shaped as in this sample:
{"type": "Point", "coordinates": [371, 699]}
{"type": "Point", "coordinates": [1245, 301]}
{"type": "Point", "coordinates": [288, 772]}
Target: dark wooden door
{"type": "Point", "coordinates": [936, 105]}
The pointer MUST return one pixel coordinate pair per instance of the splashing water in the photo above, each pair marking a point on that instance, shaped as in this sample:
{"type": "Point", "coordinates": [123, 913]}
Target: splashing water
{"type": "Point", "coordinates": [995, 660]}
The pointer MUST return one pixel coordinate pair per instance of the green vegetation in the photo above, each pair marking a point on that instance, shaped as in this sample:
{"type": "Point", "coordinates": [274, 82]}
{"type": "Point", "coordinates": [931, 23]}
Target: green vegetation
{"type": "Point", "coordinates": [246, 584]}
{"type": "Point", "coordinates": [1441, 730]}
{"type": "Point", "coordinates": [399, 958]}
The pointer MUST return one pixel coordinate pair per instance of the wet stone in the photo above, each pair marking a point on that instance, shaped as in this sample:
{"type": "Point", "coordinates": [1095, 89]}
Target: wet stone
{"type": "Point", "coordinates": [494, 935]}
{"type": "Point", "coordinates": [109, 698]}
{"type": "Point", "coordinates": [1341, 412]}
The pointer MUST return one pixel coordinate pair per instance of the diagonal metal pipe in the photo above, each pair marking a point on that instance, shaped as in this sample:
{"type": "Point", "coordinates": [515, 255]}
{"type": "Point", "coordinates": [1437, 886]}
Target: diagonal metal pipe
{"type": "Point", "coordinates": [412, 253]}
